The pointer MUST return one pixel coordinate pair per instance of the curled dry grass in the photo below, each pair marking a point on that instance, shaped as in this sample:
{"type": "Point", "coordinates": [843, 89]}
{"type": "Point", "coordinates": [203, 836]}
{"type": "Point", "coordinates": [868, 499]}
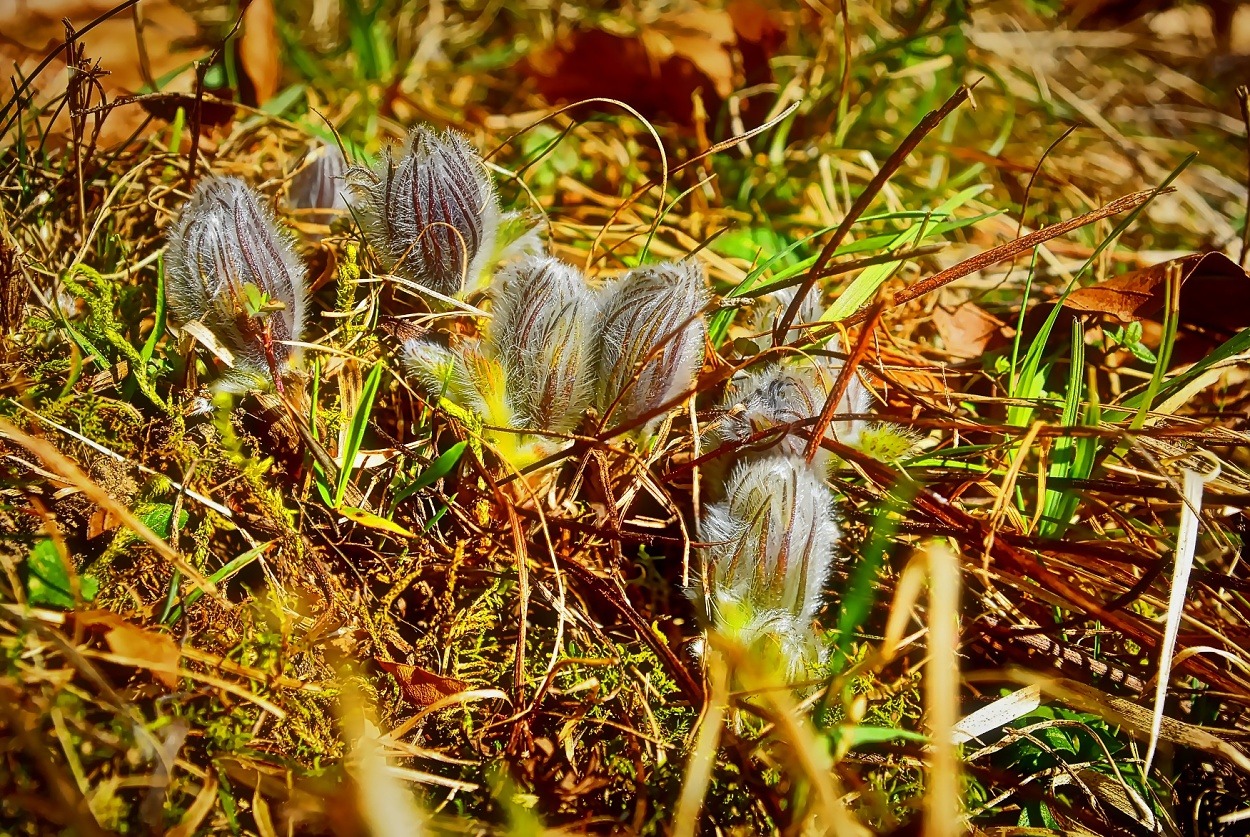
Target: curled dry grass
{"type": "Point", "coordinates": [232, 661]}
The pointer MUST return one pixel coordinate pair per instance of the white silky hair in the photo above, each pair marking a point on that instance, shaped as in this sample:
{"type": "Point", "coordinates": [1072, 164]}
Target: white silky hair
{"type": "Point", "coordinates": [770, 546]}
{"type": "Point", "coordinates": [768, 310]}
{"type": "Point", "coordinates": [442, 373]}
{"type": "Point", "coordinates": [650, 312]}
{"type": "Point", "coordinates": [544, 329]}
{"type": "Point", "coordinates": [429, 209]}
{"type": "Point", "coordinates": [226, 238]}
{"type": "Point", "coordinates": [791, 391]}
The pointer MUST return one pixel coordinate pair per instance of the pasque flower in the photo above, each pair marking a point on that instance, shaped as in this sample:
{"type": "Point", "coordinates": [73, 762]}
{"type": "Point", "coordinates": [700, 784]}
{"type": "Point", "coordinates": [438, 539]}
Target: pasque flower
{"type": "Point", "coordinates": [532, 375]}
{"type": "Point", "coordinates": [317, 187]}
{"type": "Point", "coordinates": [230, 269]}
{"type": "Point", "coordinates": [788, 392]}
{"type": "Point", "coordinates": [769, 547]}
{"type": "Point", "coordinates": [429, 210]}
{"type": "Point", "coordinates": [544, 332]}
{"type": "Point", "coordinates": [652, 338]}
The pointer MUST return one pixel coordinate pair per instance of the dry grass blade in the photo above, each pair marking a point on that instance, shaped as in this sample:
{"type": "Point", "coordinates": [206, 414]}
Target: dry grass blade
{"type": "Point", "coordinates": [1186, 543]}
{"type": "Point", "coordinates": [943, 809]}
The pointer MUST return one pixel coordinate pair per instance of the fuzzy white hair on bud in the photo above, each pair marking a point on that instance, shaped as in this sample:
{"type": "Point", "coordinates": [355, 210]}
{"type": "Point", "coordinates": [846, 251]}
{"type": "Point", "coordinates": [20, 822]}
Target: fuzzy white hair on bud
{"type": "Point", "coordinates": [785, 393]}
{"type": "Point", "coordinates": [652, 337]}
{"type": "Point", "coordinates": [768, 310]}
{"type": "Point", "coordinates": [429, 210]}
{"type": "Point", "coordinates": [318, 185]}
{"type": "Point", "coordinates": [229, 268]}
{"type": "Point", "coordinates": [544, 330]}
{"type": "Point", "coordinates": [769, 547]}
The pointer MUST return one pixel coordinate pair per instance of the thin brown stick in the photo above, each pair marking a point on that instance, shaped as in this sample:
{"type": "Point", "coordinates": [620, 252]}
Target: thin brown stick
{"type": "Point", "coordinates": [930, 121]}
{"type": "Point", "coordinates": [844, 380]}
{"type": "Point", "coordinates": [1243, 98]}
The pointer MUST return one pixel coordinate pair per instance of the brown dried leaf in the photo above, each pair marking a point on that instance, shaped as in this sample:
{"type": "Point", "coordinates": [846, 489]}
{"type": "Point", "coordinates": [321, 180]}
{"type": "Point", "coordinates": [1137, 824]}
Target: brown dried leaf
{"type": "Point", "coordinates": [760, 35]}
{"type": "Point", "coordinates": [968, 331]}
{"type": "Point", "coordinates": [704, 37]}
{"type": "Point", "coordinates": [661, 69]}
{"type": "Point", "coordinates": [421, 686]}
{"type": "Point", "coordinates": [1215, 293]}
{"type": "Point", "coordinates": [146, 649]}
{"type": "Point", "coordinates": [259, 49]}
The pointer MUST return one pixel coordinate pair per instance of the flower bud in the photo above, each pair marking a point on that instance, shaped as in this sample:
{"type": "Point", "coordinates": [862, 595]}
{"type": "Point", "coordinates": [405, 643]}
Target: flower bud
{"type": "Point", "coordinates": [783, 393]}
{"type": "Point", "coordinates": [441, 373]}
{"type": "Point", "coordinates": [230, 270]}
{"type": "Point", "coordinates": [652, 338]}
{"type": "Point", "coordinates": [317, 186]}
{"type": "Point", "coordinates": [768, 311]}
{"type": "Point", "coordinates": [544, 330]}
{"type": "Point", "coordinates": [430, 213]}
{"type": "Point", "coordinates": [770, 546]}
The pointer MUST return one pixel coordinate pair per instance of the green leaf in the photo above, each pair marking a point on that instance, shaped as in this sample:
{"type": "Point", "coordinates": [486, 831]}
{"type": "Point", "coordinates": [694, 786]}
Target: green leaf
{"type": "Point", "coordinates": [229, 570]}
{"type": "Point", "coordinates": [158, 317]}
{"type": "Point", "coordinates": [857, 735]}
{"type": "Point", "coordinates": [157, 518]}
{"type": "Point", "coordinates": [356, 432]}
{"type": "Point", "coordinates": [865, 285]}
{"type": "Point", "coordinates": [1142, 352]}
{"type": "Point", "coordinates": [373, 521]}
{"type": "Point", "coordinates": [47, 581]}
{"type": "Point", "coordinates": [438, 469]}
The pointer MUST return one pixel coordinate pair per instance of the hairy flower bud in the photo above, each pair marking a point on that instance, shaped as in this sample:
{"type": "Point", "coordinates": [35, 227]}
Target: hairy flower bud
{"type": "Point", "coordinates": [544, 332]}
{"type": "Point", "coordinates": [784, 393]}
{"type": "Point", "coordinates": [652, 338]}
{"type": "Point", "coordinates": [441, 373]}
{"type": "Point", "coordinates": [230, 270]}
{"type": "Point", "coordinates": [768, 311]}
{"type": "Point", "coordinates": [317, 186]}
{"type": "Point", "coordinates": [430, 212]}
{"type": "Point", "coordinates": [770, 546]}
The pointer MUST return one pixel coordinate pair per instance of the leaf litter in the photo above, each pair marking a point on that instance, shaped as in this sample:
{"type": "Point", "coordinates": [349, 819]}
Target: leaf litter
{"type": "Point", "coordinates": [266, 596]}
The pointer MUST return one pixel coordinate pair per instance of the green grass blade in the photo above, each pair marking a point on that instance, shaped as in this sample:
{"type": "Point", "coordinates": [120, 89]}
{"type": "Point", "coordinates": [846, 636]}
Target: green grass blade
{"type": "Point", "coordinates": [228, 570]}
{"type": "Point", "coordinates": [158, 318]}
{"type": "Point", "coordinates": [356, 432]}
{"type": "Point", "coordinates": [1060, 504]}
{"type": "Point", "coordinates": [438, 469]}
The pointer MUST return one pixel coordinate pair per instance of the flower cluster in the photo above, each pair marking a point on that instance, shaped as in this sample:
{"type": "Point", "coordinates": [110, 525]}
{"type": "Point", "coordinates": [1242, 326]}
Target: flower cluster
{"type": "Point", "coordinates": [556, 346]}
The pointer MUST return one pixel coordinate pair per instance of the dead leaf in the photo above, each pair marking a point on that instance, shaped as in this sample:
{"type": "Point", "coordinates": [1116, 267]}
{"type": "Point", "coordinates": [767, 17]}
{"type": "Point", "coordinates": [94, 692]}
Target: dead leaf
{"type": "Point", "coordinates": [421, 686]}
{"type": "Point", "coordinates": [101, 521]}
{"type": "Point", "coordinates": [1215, 293]}
{"type": "Point", "coordinates": [968, 331]}
{"type": "Point", "coordinates": [142, 648]}
{"type": "Point", "coordinates": [259, 50]}
{"type": "Point", "coordinates": [157, 40]}
{"type": "Point", "coordinates": [760, 35]}
{"type": "Point", "coordinates": [704, 37]}
{"type": "Point", "coordinates": [662, 68]}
